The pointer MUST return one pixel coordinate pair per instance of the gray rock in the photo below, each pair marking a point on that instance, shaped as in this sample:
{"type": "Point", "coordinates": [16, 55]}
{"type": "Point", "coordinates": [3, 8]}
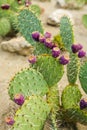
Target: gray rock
{"type": "Point", "coordinates": [18, 45]}
{"type": "Point", "coordinates": [54, 17]}
{"type": "Point", "coordinates": [62, 3]}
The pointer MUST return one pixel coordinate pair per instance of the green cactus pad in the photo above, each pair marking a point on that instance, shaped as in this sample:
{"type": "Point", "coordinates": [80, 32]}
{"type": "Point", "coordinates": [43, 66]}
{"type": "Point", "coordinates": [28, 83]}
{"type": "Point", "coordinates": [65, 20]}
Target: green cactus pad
{"type": "Point", "coordinates": [83, 76]}
{"type": "Point", "coordinates": [53, 98]}
{"type": "Point", "coordinates": [72, 69]}
{"type": "Point", "coordinates": [28, 82]}
{"type": "Point", "coordinates": [41, 49]}
{"type": "Point", "coordinates": [5, 26]}
{"type": "Point", "coordinates": [6, 2]}
{"type": "Point", "coordinates": [71, 96]}
{"type": "Point", "coordinates": [76, 4]}
{"type": "Point", "coordinates": [50, 68]}
{"type": "Point", "coordinates": [32, 115]}
{"type": "Point", "coordinates": [66, 32]}
{"type": "Point", "coordinates": [29, 23]}
{"type": "Point", "coordinates": [14, 21]}
{"type": "Point", "coordinates": [84, 20]}
{"type": "Point", "coordinates": [35, 9]}
{"type": "Point", "coordinates": [75, 115]}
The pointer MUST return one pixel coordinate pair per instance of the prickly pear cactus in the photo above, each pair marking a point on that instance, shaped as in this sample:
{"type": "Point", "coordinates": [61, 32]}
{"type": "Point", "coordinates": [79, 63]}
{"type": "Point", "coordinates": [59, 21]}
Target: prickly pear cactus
{"type": "Point", "coordinates": [43, 77]}
{"type": "Point", "coordinates": [66, 33]}
{"type": "Point", "coordinates": [32, 115]}
{"type": "Point", "coordinates": [32, 24]}
{"type": "Point", "coordinates": [28, 82]}
{"type": "Point", "coordinates": [83, 76]}
{"type": "Point", "coordinates": [72, 68]}
{"type": "Point", "coordinates": [71, 95]}
{"type": "Point", "coordinates": [50, 68]}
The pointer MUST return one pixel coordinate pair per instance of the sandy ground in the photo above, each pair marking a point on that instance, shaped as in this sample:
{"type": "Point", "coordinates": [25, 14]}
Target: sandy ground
{"type": "Point", "coordinates": [12, 63]}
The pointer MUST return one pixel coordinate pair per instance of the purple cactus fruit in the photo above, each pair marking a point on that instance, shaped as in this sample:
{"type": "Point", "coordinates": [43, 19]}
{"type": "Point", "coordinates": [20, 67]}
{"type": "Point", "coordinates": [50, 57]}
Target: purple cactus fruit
{"type": "Point", "coordinates": [5, 6]}
{"type": "Point", "coordinates": [42, 39]}
{"type": "Point", "coordinates": [81, 53]}
{"type": "Point", "coordinates": [48, 43]}
{"type": "Point", "coordinates": [32, 59]}
{"type": "Point", "coordinates": [55, 52]}
{"type": "Point", "coordinates": [19, 99]}
{"type": "Point", "coordinates": [47, 35]}
{"type": "Point", "coordinates": [9, 120]}
{"type": "Point", "coordinates": [80, 46]}
{"type": "Point", "coordinates": [64, 60]}
{"type": "Point", "coordinates": [35, 36]}
{"type": "Point", "coordinates": [83, 103]}
{"type": "Point", "coordinates": [76, 47]}
{"type": "Point", "coordinates": [27, 3]}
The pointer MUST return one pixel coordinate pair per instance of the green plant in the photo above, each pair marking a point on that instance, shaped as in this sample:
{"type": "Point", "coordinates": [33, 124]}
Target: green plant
{"type": "Point", "coordinates": [75, 3]}
{"type": "Point", "coordinates": [84, 20]}
{"type": "Point", "coordinates": [42, 77]}
{"type": "Point", "coordinates": [8, 14]}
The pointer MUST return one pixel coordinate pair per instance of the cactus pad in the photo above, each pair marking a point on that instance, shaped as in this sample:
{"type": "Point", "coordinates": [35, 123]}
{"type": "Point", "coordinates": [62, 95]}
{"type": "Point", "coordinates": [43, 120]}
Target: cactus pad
{"type": "Point", "coordinates": [72, 69]}
{"type": "Point", "coordinates": [66, 32]}
{"type": "Point", "coordinates": [35, 9]}
{"type": "Point", "coordinates": [50, 68]}
{"type": "Point", "coordinates": [5, 26]}
{"type": "Point", "coordinates": [71, 96]}
{"type": "Point", "coordinates": [28, 82]}
{"type": "Point", "coordinates": [29, 23]}
{"type": "Point", "coordinates": [41, 49]}
{"type": "Point", "coordinates": [83, 76]}
{"type": "Point", "coordinates": [32, 115]}
{"type": "Point", "coordinates": [75, 115]}
{"type": "Point", "coordinates": [53, 98]}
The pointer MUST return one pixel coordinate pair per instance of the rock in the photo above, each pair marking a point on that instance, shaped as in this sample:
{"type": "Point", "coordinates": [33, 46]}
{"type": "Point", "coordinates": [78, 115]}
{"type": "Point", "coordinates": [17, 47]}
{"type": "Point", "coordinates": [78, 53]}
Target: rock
{"type": "Point", "coordinates": [54, 18]}
{"type": "Point", "coordinates": [18, 45]}
{"type": "Point", "coordinates": [62, 3]}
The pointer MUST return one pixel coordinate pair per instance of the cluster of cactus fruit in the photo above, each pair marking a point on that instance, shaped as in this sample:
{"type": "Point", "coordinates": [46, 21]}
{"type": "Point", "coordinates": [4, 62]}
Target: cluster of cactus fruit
{"type": "Point", "coordinates": [9, 10]}
{"type": "Point", "coordinates": [35, 88]}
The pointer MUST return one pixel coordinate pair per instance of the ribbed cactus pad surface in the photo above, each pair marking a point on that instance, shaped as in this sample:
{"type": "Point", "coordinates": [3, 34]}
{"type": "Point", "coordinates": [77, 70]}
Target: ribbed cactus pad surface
{"type": "Point", "coordinates": [35, 9]}
{"type": "Point", "coordinates": [72, 69]}
{"type": "Point", "coordinates": [28, 82]}
{"type": "Point", "coordinates": [32, 115]}
{"type": "Point", "coordinates": [50, 68]}
{"type": "Point", "coordinates": [6, 2]}
{"type": "Point", "coordinates": [5, 26]}
{"type": "Point", "coordinates": [53, 98]}
{"type": "Point", "coordinates": [66, 32]}
{"type": "Point", "coordinates": [41, 49]}
{"type": "Point", "coordinates": [71, 96]}
{"type": "Point", "coordinates": [28, 23]}
{"type": "Point", "coordinates": [83, 76]}
{"type": "Point", "coordinates": [75, 115]}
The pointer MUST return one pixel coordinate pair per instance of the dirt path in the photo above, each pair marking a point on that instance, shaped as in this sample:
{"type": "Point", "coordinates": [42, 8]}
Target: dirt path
{"type": "Point", "coordinates": [12, 63]}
